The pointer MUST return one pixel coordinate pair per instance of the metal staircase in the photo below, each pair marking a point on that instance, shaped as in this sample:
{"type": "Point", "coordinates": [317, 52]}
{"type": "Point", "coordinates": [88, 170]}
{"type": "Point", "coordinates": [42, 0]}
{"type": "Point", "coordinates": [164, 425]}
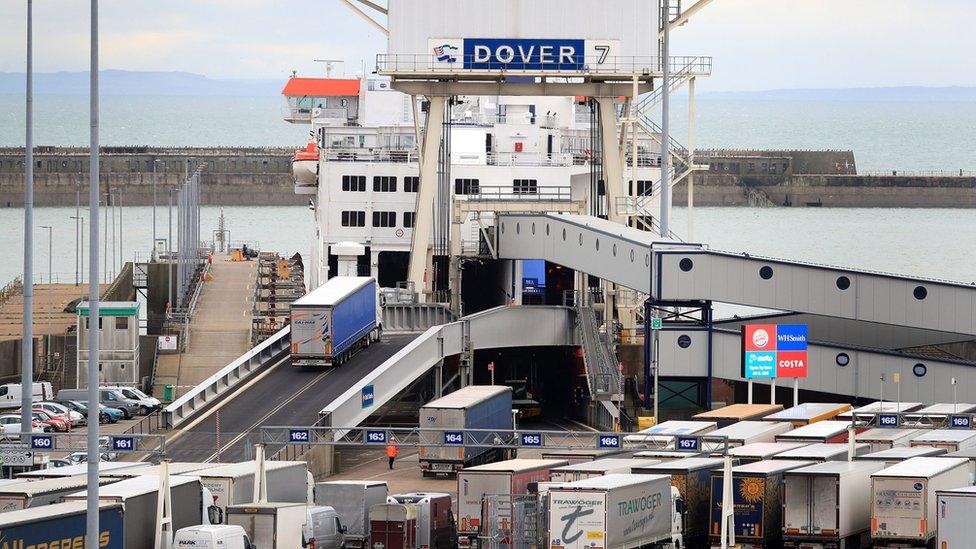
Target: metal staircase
{"type": "Point", "coordinates": [602, 375]}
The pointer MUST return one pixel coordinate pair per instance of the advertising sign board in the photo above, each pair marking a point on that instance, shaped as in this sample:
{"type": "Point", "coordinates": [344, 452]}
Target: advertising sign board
{"type": "Point", "coordinates": [774, 350]}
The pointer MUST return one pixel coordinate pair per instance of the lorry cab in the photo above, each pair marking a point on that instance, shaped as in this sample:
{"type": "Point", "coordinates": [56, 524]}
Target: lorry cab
{"type": "Point", "coordinates": [323, 529]}
{"type": "Point", "coordinates": [212, 537]}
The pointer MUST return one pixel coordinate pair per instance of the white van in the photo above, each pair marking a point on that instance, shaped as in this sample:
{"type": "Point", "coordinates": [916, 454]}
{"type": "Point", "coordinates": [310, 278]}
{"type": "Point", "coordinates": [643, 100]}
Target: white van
{"type": "Point", "coordinates": [147, 404]}
{"type": "Point", "coordinates": [211, 537]}
{"type": "Point", "coordinates": [10, 394]}
{"type": "Point", "coordinates": [323, 529]}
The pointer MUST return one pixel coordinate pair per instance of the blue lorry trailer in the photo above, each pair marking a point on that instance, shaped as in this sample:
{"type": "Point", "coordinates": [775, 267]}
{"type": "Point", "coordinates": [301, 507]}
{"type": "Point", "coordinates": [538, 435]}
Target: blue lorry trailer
{"type": "Point", "coordinates": [329, 324]}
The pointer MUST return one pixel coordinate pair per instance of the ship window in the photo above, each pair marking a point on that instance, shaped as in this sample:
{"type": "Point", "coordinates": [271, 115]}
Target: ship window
{"type": "Point", "coordinates": [408, 219]}
{"type": "Point", "coordinates": [121, 323]}
{"type": "Point", "coordinates": [525, 186]}
{"type": "Point", "coordinates": [353, 219]}
{"type": "Point", "coordinates": [384, 184]}
{"type": "Point", "coordinates": [354, 183]}
{"type": "Point", "coordinates": [411, 184]}
{"type": "Point", "coordinates": [601, 188]}
{"type": "Point", "coordinates": [644, 187]}
{"type": "Point", "coordinates": [384, 219]}
{"type": "Point", "coordinates": [467, 186]}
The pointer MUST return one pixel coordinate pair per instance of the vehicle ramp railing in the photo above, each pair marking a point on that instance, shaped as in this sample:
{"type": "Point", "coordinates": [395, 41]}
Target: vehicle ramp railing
{"type": "Point", "coordinates": [603, 377]}
{"type": "Point", "coordinates": [266, 354]}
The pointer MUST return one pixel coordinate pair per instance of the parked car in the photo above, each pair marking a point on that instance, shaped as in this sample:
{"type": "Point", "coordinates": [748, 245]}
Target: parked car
{"type": "Point", "coordinates": [109, 397]}
{"type": "Point", "coordinates": [147, 404]}
{"type": "Point", "coordinates": [112, 415]}
{"type": "Point", "coordinates": [10, 426]}
{"type": "Point", "coordinates": [58, 409]}
{"type": "Point", "coordinates": [58, 463]}
{"type": "Point", "coordinates": [57, 423]}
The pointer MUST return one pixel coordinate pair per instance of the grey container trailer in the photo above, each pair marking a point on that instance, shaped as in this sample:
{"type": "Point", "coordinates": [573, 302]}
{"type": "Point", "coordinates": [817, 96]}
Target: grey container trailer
{"type": "Point", "coordinates": [352, 499]}
{"type": "Point", "coordinates": [62, 526]}
{"type": "Point", "coordinates": [903, 504]}
{"type": "Point", "coordinates": [757, 500]}
{"type": "Point", "coordinates": [828, 505]}
{"type": "Point", "coordinates": [233, 483]}
{"type": "Point", "coordinates": [473, 407]}
{"type": "Point", "coordinates": [691, 477]}
{"type": "Point", "coordinates": [899, 454]}
{"type": "Point", "coordinates": [613, 511]}
{"type": "Point", "coordinates": [138, 499]}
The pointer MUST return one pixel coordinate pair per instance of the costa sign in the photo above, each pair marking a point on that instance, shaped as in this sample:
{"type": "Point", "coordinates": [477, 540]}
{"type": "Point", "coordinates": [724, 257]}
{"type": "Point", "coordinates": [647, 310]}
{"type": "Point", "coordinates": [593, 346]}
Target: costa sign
{"type": "Point", "coordinates": [774, 350]}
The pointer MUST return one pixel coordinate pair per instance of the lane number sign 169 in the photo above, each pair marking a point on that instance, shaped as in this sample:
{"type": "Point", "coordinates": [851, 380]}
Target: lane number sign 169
{"type": "Point", "coordinates": [960, 422]}
{"type": "Point", "coordinates": [609, 441]}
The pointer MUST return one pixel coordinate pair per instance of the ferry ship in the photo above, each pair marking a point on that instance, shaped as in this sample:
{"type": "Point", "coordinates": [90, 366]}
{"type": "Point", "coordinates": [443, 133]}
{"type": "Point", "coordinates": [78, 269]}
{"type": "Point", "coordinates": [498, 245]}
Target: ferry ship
{"type": "Point", "coordinates": [512, 150]}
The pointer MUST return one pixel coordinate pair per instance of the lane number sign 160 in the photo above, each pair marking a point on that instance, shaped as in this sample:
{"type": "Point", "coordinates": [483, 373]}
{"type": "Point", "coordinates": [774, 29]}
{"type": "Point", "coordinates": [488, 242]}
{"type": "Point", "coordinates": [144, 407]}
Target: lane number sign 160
{"type": "Point", "coordinates": [298, 436]}
{"type": "Point", "coordinates": [609, 441]}
{"type": "Point", "coordinates": [42, 442]}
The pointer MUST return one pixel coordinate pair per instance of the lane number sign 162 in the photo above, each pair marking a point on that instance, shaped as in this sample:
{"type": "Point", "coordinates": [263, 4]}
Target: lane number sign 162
{"type": "Point", "coordinates": [298, 436]}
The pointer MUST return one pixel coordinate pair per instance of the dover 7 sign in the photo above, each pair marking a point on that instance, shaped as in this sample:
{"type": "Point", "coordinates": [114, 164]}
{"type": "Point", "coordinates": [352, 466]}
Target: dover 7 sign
{"type": "Point", "coordinates": [774, 350]}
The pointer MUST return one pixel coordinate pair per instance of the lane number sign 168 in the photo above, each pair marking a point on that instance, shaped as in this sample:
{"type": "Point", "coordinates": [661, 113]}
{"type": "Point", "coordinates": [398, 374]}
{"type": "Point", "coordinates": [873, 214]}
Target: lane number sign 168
{"type": "Point", "coordinates": [888, 420]}
{"type": "Point", "coordinates": [609, 441]}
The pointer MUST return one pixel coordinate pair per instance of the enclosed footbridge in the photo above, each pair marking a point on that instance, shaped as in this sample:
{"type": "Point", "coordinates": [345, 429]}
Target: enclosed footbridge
{"type": "Point", "coordinates": [864, 319]}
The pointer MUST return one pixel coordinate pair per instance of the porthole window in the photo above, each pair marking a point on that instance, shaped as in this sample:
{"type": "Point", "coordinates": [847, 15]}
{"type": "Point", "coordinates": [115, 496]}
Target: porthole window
{"type": "Point", "coordinates": [684, 341]}
{"type": "Point", "coordinates": [920, 370]}
{"type": "Point", "coordinates": [842, 359]}
{"type": "Point", "coordinates": [632, 256]}
{"type": "Point", "coordinates": [614, 250]}
{"type": "Point", "coordinates": [503, 228]}
{"type": "Point", "coordinates": [598, 244]}
{"type": "Point", "coordinates": [647, 260]}
{"type": "Point", "coordinates": [843, 283]}
{"type": "Point", "coordinates": [547, 229]}
{"type": "Point", "coordinates": [766, 272]}
{"type": "Point", "coordinates": [581, 239]}
{"type": "Point", "coordinates": [564, 235]}
{"type": "Point", "coordinates": [533, 228]}
{"type": "Point", "coordinates": [518, 228]}
{"type": "Point", "coordinates": [686, 264]}
{"type": "Point", "coordinates": [920, 293]}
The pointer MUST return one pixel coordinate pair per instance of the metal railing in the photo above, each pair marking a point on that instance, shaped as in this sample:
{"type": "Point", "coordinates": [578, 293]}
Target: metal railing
{"type": "Point", "coordinates": [599, 358]}
{"type": "Point", "coordinates": [264, 355]}
{"type": "Point", "coordinates": [509, 192]}
{"type": "Point", "coordinates": [915, 173]}
{"type": "Point", "coordinates": [372, 154]}
{"type": "Point", "coordinates": [391, 63]}
{"type": "Point", "coordinates": [529, 159]}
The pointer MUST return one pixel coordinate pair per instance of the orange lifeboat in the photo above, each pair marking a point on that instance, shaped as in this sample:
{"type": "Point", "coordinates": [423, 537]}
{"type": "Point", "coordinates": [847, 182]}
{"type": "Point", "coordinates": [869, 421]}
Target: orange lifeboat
{"type": "Point", "coordinates": [305, 168]}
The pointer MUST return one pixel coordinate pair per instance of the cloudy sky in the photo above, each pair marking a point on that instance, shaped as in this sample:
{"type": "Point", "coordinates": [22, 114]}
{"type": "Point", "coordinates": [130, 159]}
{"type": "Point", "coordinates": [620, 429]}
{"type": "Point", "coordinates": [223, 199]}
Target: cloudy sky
{"type": "Point", "coordinates": [756, 44]}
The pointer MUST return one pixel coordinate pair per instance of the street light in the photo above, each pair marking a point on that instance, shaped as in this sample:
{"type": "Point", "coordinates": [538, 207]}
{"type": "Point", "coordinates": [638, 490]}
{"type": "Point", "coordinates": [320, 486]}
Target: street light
{"type": "Point", "coordinates": [50, 252]}
{"type": "Point", "coordinates": [79, 258]}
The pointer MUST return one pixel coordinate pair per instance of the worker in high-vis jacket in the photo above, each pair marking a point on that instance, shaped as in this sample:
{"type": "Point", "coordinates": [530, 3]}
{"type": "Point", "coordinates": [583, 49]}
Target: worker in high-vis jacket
{"type": "Point", "coordinates": [391, 453]}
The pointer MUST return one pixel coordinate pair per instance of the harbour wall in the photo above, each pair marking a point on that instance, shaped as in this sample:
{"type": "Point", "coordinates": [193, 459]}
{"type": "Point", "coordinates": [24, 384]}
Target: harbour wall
{"type": "Point", "coordinates": [237, 176]}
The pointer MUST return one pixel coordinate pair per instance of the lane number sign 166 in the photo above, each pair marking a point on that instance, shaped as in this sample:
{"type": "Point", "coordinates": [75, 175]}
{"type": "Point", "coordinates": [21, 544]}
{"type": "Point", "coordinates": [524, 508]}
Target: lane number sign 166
{"type": "Point", "coordinates": [609, 441]}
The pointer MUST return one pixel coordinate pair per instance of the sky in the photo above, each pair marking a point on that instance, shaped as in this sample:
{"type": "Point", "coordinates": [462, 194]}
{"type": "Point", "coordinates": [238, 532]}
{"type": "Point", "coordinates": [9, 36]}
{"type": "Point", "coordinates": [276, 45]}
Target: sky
{"type": "Point", "coordinates": [756, 44]}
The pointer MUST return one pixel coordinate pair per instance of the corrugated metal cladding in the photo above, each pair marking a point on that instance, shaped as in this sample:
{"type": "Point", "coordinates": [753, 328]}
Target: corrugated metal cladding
{"type": "Point", "coordinates": [633, 22]}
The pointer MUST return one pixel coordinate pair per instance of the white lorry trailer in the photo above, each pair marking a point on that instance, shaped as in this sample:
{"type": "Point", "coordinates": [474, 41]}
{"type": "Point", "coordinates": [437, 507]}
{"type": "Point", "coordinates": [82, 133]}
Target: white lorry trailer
{"type": "Point", "coordinates": [26, 494]}
{"type": "Point", "coordinates": [270, 525]}
{"type": "Point", "coordinates": [288, 482]}
{"type": "Point", "coordinates": [954, 522]}
{"type": "Point", "coordinates": [883, 438]}
{"type": "Point", "coordinates": [903, 504]}
{"type": "Point", "coordinates": [615, 511]}
{"type": "Point", "coordinates": [828, 505]}
{"type": "Point", "coordinates": [598, 468]}
{"type": "Point", "coordinates": [952, 440]}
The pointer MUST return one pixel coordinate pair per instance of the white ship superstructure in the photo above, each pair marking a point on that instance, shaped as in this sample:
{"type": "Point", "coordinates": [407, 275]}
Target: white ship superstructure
{"type": "Point", "coordinates": [501, 149]}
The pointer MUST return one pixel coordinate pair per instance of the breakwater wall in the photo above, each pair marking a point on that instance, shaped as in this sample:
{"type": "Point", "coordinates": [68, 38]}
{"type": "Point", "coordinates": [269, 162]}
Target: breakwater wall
{"type": "Point", "coordinates": [235, 176]}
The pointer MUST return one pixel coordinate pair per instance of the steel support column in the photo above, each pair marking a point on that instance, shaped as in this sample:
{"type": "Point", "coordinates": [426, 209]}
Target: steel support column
{"type": "Point", "coordinates": [420, 252]}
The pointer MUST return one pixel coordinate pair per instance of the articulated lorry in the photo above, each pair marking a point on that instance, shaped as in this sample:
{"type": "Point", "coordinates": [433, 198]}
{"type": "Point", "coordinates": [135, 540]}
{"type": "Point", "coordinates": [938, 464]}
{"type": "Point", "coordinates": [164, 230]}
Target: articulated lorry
{"type": "Point", "coordinates": [618, 511]}
{"type": "Point", "coordinates": [903, 503]}
{"type": "Point", "coordinates": [598, 468]}
{"type": "Point", "coordinates": [435, 519]}
{"type": "Point", "coordinates": [473, 407]}
{"type": "Point", "coordinates": [352, 500]}
{"type": "Point", "coordinates": [26, 494]}
{"type": "Point", "coordinates": [330, 323]}
{"type": "Point", "coordinates": [690, 476]}
{"type": "Point", "coordinates": [828, 505]}
{"type": "Point", "coordinates": [954, 521]}
{"type": "Point", "coordinates": [62, 526]}
{"type": "Point", "coordinates": [231, 484]}
{"type": "Point", "coordinates": [756, 498]}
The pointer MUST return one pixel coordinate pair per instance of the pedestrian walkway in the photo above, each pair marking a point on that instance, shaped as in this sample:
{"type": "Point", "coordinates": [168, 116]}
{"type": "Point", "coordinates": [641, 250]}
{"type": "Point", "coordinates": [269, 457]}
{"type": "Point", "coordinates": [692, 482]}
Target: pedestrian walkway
{"type": "Point", "coordinates": [219, 329]}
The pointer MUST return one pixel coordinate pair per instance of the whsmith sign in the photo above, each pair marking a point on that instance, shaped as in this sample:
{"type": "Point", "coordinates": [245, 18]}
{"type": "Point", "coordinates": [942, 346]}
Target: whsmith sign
{"type": "Point", "coordinates": [523, 54]}
{"type": "Point", "coordinates": [774, 350]}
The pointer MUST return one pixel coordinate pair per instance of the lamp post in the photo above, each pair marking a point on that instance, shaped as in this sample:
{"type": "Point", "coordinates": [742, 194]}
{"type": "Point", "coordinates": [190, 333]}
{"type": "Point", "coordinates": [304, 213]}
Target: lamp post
{"type": "Point", "coordinates": [50, 252]}
{"type": "Point", "coordinates": [27, 349]}
{"type": "Point", "coordinates": [79, 245]}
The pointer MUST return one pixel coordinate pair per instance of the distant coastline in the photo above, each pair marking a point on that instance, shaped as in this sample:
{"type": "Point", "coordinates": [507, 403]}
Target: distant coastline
{"type": "Point", "coordinates": [121, 82]}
